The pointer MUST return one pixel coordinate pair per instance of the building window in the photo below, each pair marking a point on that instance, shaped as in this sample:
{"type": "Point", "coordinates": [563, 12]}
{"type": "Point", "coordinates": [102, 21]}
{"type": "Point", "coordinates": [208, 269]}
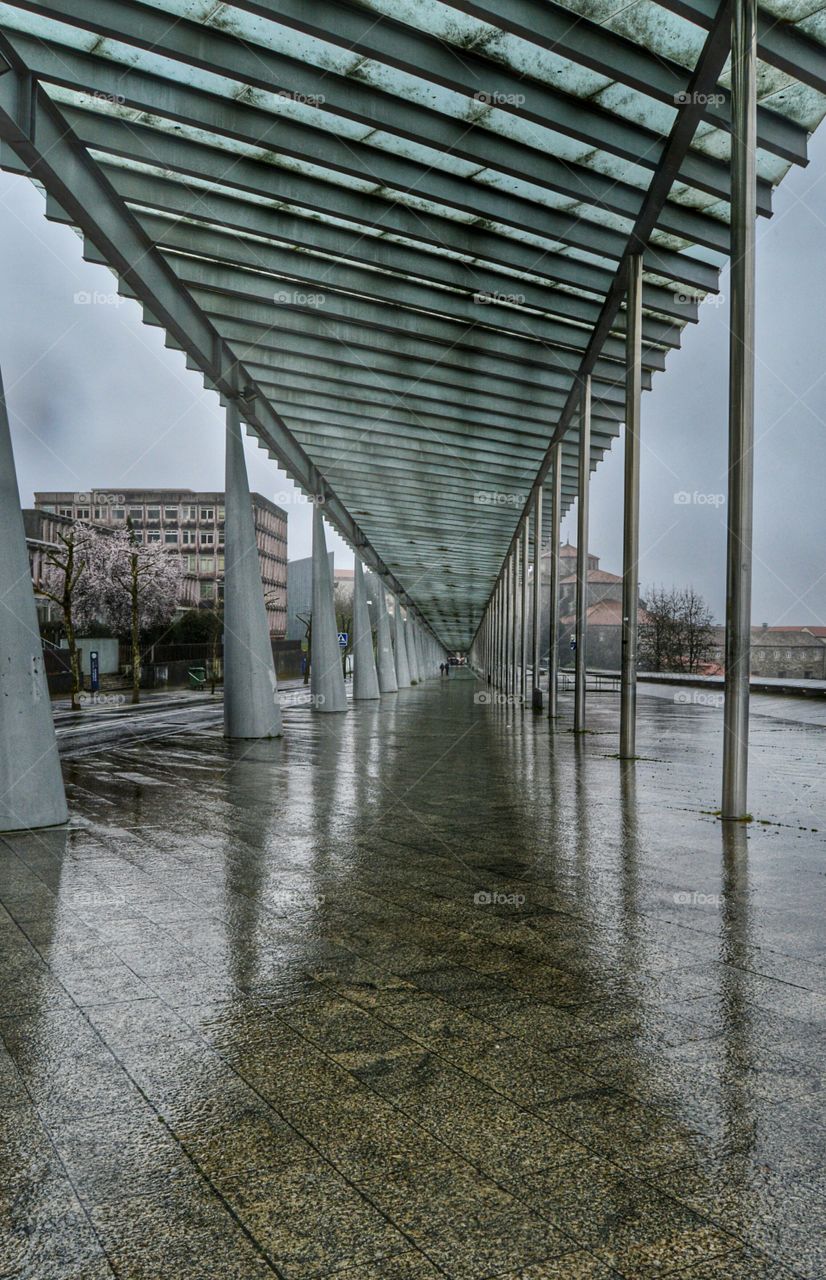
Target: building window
{"type": "Point", "coordinates": [171, 537]}
{"type": "Point", "coordinates": [220, 564]}
{"type": "Point", "coordinates": [208, 539]}
{"type": "Point", "coordinates": [83, 513]}
{"type": "Point", "coordinates": [190, 513]}
{"type": "Point", "coordinates": [136, 513]}
{"type": "Point", "coordinates": [119, 513]}
{"type": "Point", "coordinates": [188, 537]}
{"type": "Point", "coordinates": [207, 591]}
{"type": "Point", "coordinates": [207, 513]}
{"type": "Point", "coordinates": [220, 513]}
{"type": "Point", "coordinates": [207, 564]}
{"type": "Point", "coordinates": [64, 511]}
{"type": "Point", "coordinates": [153, 536]}
{"type": "Point", "coordinates": [192, 564]}
{"type": "Point", "coordinates": [170, 513]}
{"type": "Point", "coordinates": [100, 513]}
{"type": "Point", "coordinates": [153, 513]}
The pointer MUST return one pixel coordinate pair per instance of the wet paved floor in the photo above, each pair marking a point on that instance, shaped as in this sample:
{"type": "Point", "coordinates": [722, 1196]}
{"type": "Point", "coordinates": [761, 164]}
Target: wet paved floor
{"type": "Point", "coordinates": [422, 990]}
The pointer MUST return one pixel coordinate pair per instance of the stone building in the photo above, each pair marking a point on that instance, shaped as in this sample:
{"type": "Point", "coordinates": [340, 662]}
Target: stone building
{"type": "Point", "coordinates": [192, 524]}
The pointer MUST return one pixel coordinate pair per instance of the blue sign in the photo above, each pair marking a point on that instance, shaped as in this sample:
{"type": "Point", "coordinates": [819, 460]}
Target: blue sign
{"type": "Point", "coordinates": [343, 639]}
{"type": "Point", "coordinates": [94, 670]}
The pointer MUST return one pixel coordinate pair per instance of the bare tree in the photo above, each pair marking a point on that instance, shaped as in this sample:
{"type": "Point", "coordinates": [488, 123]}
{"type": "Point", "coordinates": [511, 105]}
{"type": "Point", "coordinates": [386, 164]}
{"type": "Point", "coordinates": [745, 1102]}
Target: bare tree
{"type": "Point", "coordinates": [68, 582]}
{"type": "Point", "coordinates": [677, 633]}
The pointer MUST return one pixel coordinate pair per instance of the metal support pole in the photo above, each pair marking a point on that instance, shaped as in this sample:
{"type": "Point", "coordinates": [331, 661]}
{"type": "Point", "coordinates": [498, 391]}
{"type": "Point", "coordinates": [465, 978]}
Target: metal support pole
{"type": "Point", "coordinates": [514, 688]}
{"type": "Point", "coordinates": [741, 409]}
{"type": "Point", "coordinates": [526, 536]}
{"type": "Point", "coordinates": [506, 625]}
{"type": "Point", "coordinates": [582, 555]}
{"type": "Point", "coordinates": [553, 649]}
{"type": "Point", "coordinates": [631, 513]}
{"type": "Point", "coordinates": [536, 697]}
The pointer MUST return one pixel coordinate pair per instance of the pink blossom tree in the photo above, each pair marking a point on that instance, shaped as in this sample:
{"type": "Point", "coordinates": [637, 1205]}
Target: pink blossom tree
{"type": "Point", "coordinates": [139, 587]}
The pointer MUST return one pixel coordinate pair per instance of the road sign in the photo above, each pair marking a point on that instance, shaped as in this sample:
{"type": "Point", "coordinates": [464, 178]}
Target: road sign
{"type": "Point", "coordinates": [94, 670]}
{"type": "Point", "coordinates": [343, 639]}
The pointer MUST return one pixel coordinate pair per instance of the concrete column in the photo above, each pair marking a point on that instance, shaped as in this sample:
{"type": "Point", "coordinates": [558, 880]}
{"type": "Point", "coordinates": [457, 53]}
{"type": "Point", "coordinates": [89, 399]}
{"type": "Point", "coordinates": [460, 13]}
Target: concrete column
{"type": "Point", "coordinates": [251, 708]}
{"type": "Point", "coordinates": [631, 511]}
{"type": "Point", "coordinates": [517, 618]}
{"type": "Point", "coordinates": [526, 536]}
{"type": "Point", "coordinates": [582, 556]}
{"type": "Point", "coordinates": [412, 655]}
{"type": "Point", "coordinates": [556, 526]}
{"type": "Point", "coordinates": [326, 675]}
{"type": "Point", "coordinates": [741, 409]}
{"type": "Point", "coordinates": [384, 646]}
{"type": "Point", "coordinates": [31, 784]}
{"type": "Point", "coordinates": [536, 697]}
{"type": "Point", "coordinates": [365, 677]}
{"type": "Point", "coordinates": [400, 649]}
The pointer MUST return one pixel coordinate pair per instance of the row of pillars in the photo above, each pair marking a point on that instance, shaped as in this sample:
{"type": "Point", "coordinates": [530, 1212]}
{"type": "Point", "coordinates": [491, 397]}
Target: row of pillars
{"type": "Point", "coordinates": [501, 648]}
{"type": "Point", "coordinates": [31, 784]}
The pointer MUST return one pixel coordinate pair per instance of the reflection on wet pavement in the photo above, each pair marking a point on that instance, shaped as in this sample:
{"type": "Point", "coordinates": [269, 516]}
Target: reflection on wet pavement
{"type": "Point", "coordinates": [423, 990]}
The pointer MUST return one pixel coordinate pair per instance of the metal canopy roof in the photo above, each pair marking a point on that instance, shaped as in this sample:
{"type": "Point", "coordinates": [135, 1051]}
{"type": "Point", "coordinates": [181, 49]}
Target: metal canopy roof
{"type": "Point", "coordinates": [400, 227]}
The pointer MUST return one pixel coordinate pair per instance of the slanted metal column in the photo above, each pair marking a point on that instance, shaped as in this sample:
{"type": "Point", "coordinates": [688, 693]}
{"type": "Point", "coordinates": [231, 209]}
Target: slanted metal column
{"type": "Point", "coordinates": [514, 684]}
{"type": "Point", "coordinates": [326, 675]}
{"type": "Point", "coordinates": [556, 524]}
{"type": "Point", "coordinates": [386, 667]}
{"type": "Point", "coordinates": [251, 707]}
{"type": "Point", "coordinates": [631, 511]}
{"type": "Point", "coordinates": [31, 784]}
{"type": "Point", "coordinates": [741, 409]}
{"type": "Point", "coordinates": [582, 555]}
{"type": "Point", "coordinates": [400, 648]}
{"type": "Point", "coordinates": [525, 557]}
{"type": "Point", "coordinates": [536, 696]}
{"type": "Point", "coordinates": [365, 677]}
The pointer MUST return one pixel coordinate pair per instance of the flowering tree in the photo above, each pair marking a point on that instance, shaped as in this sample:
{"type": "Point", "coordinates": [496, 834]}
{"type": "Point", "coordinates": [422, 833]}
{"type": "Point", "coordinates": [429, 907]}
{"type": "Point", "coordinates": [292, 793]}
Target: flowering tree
{"type": "Point", "coordinates": [139, 587]}
{"type": "Point", "coordinates": [68, 581]}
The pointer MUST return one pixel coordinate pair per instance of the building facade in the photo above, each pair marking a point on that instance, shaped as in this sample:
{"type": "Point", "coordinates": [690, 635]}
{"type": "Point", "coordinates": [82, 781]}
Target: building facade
{"type": "Point", "coordinates": [190, 524]}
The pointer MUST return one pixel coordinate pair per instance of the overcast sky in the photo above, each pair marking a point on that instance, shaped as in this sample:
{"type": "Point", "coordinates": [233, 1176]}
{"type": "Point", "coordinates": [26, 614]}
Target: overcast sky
{"type": "Point", "coordinates": [97, 401]}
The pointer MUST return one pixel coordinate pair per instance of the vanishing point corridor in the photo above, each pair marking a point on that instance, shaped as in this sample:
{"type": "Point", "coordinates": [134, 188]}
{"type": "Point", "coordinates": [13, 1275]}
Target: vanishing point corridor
{"type": "Point", "coordinates": [446, 996]}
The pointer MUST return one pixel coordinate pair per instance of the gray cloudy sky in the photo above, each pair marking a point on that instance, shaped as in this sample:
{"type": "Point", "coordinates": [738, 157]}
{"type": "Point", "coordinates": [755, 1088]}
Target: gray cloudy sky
{"type": "Point", "coordinates": [97, 401]}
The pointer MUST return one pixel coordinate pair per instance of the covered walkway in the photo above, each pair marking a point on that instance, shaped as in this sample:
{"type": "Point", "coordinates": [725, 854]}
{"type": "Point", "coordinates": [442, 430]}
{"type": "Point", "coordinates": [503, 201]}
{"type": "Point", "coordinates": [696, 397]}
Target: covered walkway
{"type": "Point", "coordinates": [420, 991]}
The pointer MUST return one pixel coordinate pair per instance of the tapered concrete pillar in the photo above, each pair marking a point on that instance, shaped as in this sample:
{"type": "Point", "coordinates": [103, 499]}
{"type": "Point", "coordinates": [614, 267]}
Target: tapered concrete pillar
{"type": "Point", "coordinates": [412, 655]}
{"type": "Point", "coordinates": [400, 649]}
{"type": "Point", "coordinates": [553, 651]}
{"type": "Point", "coordinates": [326, 675]}
{"type": "Point", "coordinates": [536, 602]}
{"type": "Point", "coordinates": [631, 511]}
{"type": "Point", "coordinates": [523, 605]}
{"type": "Point", "coordinates": [386, 666]}
{"type": "Point", "coordinates": [31, 784]}
{"type": "Point", "coordinates": [251, 708]}
{"type": "Point", "coordinates": [365, 677]}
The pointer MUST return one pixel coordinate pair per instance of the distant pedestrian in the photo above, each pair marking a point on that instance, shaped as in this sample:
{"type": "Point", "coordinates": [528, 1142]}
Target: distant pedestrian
{"type": "Point", "coordinates": [441, 668]}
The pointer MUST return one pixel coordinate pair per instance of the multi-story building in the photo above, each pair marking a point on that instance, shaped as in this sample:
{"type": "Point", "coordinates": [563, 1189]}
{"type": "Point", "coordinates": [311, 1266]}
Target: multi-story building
{"type": "Point", "coordinates": [191, 524]}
